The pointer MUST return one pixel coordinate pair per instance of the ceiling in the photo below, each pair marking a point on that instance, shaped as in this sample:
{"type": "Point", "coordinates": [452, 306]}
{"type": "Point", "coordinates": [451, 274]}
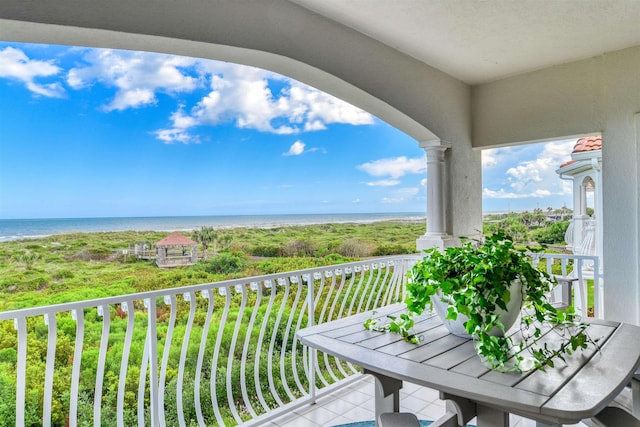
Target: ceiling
{"type": "Point", "coordinates": [479, 41]}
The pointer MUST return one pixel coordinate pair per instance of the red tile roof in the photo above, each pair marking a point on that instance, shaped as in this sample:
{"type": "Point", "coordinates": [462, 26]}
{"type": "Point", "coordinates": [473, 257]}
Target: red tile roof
{"type": "Point", "coordinates": [588, 143]}
{"type": "Point", "coordinates": [176, 239]}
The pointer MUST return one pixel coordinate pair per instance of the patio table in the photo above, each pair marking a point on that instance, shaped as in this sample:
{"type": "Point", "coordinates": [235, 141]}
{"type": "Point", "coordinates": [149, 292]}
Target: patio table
{"type": "Point", "coordinates": [565, 394]}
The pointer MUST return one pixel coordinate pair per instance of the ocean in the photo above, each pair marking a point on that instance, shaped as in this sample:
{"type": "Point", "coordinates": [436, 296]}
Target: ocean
{"type": "Point", "coordinates": [14, 229]}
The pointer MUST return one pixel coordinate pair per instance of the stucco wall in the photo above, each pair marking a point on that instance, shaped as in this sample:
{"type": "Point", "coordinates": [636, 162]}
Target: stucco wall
{"type": "Point", "coordinates": [596, 95]}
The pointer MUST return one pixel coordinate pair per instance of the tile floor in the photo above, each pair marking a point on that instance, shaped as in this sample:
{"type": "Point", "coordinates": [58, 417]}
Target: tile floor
{"type": "Point", "coordinates": [355, 403]}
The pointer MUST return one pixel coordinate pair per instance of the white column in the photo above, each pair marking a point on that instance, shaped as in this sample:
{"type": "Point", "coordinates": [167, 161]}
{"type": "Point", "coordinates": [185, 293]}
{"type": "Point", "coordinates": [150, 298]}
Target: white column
{"type": "Point", "coordinates": [579, 212]}
{"type": "Point", "coordinates": [437, 198]}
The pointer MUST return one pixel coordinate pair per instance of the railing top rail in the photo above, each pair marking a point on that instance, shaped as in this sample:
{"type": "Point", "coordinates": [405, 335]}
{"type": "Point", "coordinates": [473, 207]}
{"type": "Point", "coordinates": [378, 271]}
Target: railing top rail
{"type": "Point", "coordinates": [78, 305]}
{"type": "Point", "coordinates": [561, 256]}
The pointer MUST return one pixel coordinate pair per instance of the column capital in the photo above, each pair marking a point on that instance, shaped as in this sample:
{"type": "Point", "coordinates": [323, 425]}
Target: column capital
{"type": "Point", "coordinates": [434, 144]}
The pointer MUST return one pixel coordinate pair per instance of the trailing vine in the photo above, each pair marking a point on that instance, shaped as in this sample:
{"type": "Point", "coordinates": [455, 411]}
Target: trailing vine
{"type": "Point", "coordinates": [475, 282]}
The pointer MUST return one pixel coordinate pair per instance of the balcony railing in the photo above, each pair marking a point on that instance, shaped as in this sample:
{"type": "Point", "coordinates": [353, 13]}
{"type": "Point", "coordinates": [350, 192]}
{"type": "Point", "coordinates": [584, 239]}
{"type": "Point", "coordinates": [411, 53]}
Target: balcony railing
{"type": "Point", "coordinates": [217, 353]}
{"type": "Point", "coordinates": [587, 272]}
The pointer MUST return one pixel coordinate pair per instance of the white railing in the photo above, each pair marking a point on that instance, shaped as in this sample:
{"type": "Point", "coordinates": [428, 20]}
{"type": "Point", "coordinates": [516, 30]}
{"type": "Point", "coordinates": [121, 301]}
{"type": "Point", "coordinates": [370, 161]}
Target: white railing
{"type": "Point", "coordinates": [582, 268]}
{"type": "Point", "coordinates": [217, 353]}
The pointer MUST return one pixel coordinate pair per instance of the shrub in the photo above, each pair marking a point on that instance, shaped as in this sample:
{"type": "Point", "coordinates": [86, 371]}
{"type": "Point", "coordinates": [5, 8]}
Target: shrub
{"type": "Point", "coordinates": [355, 248]}
{"type": "Point", "coordinates": [265, 251]}
{"type": "Point", "coordinates": [299, 248]}
{"type": "Point", "coordinates": [552, 234]}
{"type": "Point", "coordinates": [8, 355]}
{"type": "Point", "coordinates": [63, 274]}
{"type": "Point", "coordinates": [225, 263]}
{"type": "Point", "coordinates": [392, 250]}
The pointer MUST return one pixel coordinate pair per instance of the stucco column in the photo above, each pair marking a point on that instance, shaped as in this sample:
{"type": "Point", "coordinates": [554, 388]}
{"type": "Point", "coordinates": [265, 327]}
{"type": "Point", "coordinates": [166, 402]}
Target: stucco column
{"type": "Point", "coordinates": [436, 234]}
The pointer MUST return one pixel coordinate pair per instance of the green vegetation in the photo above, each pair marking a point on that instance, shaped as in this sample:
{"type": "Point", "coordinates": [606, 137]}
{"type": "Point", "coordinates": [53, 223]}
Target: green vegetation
{"type": "Point", "coordinates": [80, 266]}
{"type": "Point", "coordinates": [74, 267]}
{"type": "Point", "coordinates": [527, 227]}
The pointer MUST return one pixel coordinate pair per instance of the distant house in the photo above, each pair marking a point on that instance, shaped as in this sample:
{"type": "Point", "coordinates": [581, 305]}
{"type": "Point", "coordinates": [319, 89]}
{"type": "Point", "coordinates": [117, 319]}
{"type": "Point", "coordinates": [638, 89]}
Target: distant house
{"type": "Point", "coordinates": [176, 250]}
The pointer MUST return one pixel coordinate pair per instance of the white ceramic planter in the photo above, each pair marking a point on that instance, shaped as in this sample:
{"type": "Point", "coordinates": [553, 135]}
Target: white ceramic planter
{"type": "Point", "coordinates": [508, 318]}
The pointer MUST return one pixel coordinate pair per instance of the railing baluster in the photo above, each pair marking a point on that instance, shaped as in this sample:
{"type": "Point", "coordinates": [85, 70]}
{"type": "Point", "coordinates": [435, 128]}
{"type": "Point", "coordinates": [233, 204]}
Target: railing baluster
{"type": "Point", "coordinates": [258, 355]}
{"type": "Point", "coordinates": [384, 285]}
{"type": "Point", "coordinates": [274, 335]}
{"type": "Point", "coordinates": [232, 348]}
{"type": "Point", "coordinates": [50, 321]}
{"type": "Point", "coordinates": [127, 307]}
{"type": "Point", "coordinates": [203, 345]}
{"type": "Point", "coordinates": [580, 303]}
{"type": "Point", "coordinates": [245, 351]}
{"type": "Point", "coordinates": [103, 311]}
{"type": "Point", "coordinates": [78, 316]}
{"type": "Point", "coordinates": [172, 302]}
{"type": "Point", "coordinates": [142, 382]}
{"type": "Point", "coordinates": [20, 324]}
{"type": "Point", "coordinates": [294, 343]}
{"type": "Point", "coordinates": [342, 273]}
{"type": "Point", "coordinates": [191, 298]}
{"type": "Point", "coordinates": [216, 353]}
{"type": "Point", "coordinates": [313, 353]}
{"type": "Point", "coordinates": [374, 283]}
{"type": "Point", "coordinates": [285, 339]}
{"type": "Point", "coordinates": [327, 298]}
{"type": "Point", "coordinates": [339, 293]}
{"type": "Point", "coordinates": [365, 292]}
{"type": "Point", "coordinates": [347, 293]}
{"type": "Point", "coordinates": [153, 361]}
{"type": "Point", "coordinates": [359, 270]}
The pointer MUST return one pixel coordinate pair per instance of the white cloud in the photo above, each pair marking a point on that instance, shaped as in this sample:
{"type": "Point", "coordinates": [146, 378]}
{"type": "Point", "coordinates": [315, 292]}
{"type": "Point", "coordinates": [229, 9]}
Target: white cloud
{"type": "Point", "coordinates": [137, 76]}
{"type": "Point", "coordinates": [356, 201]}
{"type": "Point", "coordinates": [296, 149]}
{"type": "Point", "coordinates": [489, 158]}
{"type": "Point", "coordinates": [383, 183]}
{"type": "Point", "coordinates": [169, 136]}
{"type": "Point", "coordinates": [15, 64]}
{"type": "Point", "coordinates": [394, 167]}
{"type": "Point", "coordinates": [494, 157]}
{"type": "Point", "coordinates": [400, 195]}
{"type": "Point", "coordinates": [536, 178]}
{"type": "Point", "coordinates": [502, 194]}
{"type": "Point", "coordinates": [236, 94]}
{"type": "Point", "coordinates": [242, 95]}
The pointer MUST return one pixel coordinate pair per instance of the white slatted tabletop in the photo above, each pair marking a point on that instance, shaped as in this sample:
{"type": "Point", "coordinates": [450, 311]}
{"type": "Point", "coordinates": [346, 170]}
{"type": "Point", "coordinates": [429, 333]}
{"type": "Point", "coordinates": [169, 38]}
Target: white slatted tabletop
{"type": "Point", "coordinates": [566, 394]}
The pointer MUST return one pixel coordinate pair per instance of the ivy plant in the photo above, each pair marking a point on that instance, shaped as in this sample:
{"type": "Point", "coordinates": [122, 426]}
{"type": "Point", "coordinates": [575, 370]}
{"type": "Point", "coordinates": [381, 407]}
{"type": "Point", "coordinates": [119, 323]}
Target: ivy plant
{"type": "Point", "coordinates": [475, 281]}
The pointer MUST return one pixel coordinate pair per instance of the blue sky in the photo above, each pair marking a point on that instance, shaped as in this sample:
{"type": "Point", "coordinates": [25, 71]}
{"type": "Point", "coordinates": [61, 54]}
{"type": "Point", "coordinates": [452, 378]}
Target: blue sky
{"type": "Point", "coordinates": [97, 132]}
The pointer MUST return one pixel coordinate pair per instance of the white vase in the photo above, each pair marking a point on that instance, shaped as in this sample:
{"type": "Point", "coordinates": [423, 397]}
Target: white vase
{"type": "Point", "coordinates": [508, 317]}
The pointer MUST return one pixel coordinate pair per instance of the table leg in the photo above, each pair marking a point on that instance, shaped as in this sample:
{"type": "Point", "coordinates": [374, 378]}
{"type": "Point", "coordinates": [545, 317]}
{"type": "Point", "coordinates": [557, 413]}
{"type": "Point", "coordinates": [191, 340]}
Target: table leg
{"type": "Point", "coordinates": [491, 417]}
{"type": "Point", "coordinates": [387, 393]}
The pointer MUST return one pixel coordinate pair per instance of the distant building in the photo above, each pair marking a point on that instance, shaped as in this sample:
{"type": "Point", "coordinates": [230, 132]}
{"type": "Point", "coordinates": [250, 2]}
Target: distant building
{"type": "Point", "coordinates": [176, 250]}
{"type": "Point", "coordinates": [584, 235]}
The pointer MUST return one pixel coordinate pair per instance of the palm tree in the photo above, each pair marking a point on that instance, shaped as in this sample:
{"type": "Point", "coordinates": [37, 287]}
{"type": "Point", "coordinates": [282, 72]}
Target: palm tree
{"type": "Point", "coordinates": [226, 241]}
{"type": "Point", "coordinates": [206, 236]}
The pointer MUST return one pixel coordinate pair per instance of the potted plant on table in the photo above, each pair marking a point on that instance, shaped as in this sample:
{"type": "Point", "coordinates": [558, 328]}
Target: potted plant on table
{"type": "Point", "coordinates": [480, 292]}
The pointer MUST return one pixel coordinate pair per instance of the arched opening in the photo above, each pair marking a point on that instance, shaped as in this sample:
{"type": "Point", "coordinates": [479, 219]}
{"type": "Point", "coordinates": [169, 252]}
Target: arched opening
{"type": "Point", "coordinates": [190, 132]}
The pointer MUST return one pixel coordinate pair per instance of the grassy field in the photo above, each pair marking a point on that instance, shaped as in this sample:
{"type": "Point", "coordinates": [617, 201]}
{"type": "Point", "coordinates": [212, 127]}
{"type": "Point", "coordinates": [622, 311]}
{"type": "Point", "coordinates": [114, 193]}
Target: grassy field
{"type": "Point", "coordinates": [72, 267]}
